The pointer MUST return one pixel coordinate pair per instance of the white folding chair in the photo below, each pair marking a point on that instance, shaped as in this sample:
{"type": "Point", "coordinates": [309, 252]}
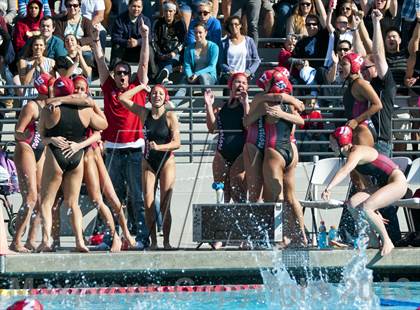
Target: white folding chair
{"type": "Point", "coordinates": [413, 180]}
{"type": "Point", "coordinates": [322, 174]}
{"type": "Point", "coordinates": [402, 162]}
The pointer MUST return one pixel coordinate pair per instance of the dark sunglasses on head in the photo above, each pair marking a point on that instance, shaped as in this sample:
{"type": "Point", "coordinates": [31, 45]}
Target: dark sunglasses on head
{"type": "Point", "coordinates": [205, 13]}
{"type": "Point", "coordinates": [72, 5]}
{"type": "Point", "coordinates": [121, 72]}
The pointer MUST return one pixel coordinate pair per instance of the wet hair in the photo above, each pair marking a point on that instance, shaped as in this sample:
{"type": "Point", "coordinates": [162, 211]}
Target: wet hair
{"type": "Point", "coordinates": [229, 20]}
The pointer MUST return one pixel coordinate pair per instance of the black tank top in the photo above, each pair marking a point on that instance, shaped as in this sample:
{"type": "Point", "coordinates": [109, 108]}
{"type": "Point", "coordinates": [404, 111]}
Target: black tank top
{"type": "Point", "coordinates": [69, 126]}
{"type": "Point", "coordinates": [156, 130]}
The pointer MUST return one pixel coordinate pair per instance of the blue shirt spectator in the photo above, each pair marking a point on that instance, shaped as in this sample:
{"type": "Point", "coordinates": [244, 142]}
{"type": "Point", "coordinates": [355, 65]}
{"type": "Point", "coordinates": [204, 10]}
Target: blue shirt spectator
{"type": "Point", "coordinates": [213, 26]}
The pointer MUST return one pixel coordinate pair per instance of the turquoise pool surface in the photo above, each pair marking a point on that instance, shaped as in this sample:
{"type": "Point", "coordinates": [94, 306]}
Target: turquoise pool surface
{"type": "Point", "coordinates": [247, 299]}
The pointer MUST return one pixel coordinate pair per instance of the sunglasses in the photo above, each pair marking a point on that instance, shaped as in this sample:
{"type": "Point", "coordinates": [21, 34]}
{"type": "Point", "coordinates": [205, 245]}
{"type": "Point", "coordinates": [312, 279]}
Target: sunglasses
{"type": "Point", "coordinates": [205, 13]}
{"type": "Point", "coordinates": [312, 24]}
{"type": "Point", "coordinates": [121, 72]}
{"type": "Point", "coordinates": [72, 6]}
{"type": "Point", "coordinates": [306, 4]}
{"type": "Point", "coordinates": [343, 49]}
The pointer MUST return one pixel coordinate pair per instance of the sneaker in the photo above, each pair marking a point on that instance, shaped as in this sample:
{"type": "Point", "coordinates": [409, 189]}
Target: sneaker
{"type": "Point", "coordinates": [167, 81]}
{"type": "Point", "coordinates": [162, 76]}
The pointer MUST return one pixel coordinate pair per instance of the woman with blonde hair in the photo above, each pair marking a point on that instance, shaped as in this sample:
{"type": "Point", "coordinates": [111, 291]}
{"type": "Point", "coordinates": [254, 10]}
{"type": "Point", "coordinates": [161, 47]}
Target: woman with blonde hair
{"type": "Point", "coordinates": [296, 22]}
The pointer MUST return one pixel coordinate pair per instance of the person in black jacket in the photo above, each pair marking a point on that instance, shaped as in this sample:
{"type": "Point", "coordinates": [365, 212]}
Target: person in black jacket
{"type": "Point", "coordinates": [169, 32]}
{"type": "Point", "coordinates": [126, 38]}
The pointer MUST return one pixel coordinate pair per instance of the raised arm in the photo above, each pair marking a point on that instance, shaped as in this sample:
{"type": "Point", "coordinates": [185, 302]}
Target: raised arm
{"type": "Point", "coordinates": [329, 25]}
{"type": "Point", "coordinates": [285, 98]}
{"type": "Point", "coordinates": [74, 99]}
{"type": "Point", "coordinates": [364, 36]}
{"type": "Point", "coordinates": [99, 56]}
{"type": "Point", "coordinates": [321, 13]}
{"type": "Point", "coordinates": [413, 47]}
{"type": "Point", "coordinates": [378, 49]}
{"type": "Point", "coordinates": [125, 99]}
{"type": "Point", "coordinates": [210, 113]}
{"type": "Point", "coordinates": [144, 54]}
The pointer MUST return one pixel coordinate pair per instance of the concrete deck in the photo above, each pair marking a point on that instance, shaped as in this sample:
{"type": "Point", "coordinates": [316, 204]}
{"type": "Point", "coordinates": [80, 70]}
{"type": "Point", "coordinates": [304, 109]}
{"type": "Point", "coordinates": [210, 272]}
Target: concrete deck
{"type": "Point", "coordinates": [227, 264]}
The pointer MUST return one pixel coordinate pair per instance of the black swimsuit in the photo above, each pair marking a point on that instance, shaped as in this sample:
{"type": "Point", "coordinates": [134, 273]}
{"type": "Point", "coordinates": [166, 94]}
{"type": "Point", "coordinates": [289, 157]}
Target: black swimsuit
{"type": "Point", "coordinates": [278, 136]}
{"type": "Point", "coordinates": [232, 133]}
{"type": "Point", "coordinates": [71, 128]}
{"type": "Point", "coordinates": [156, 130]}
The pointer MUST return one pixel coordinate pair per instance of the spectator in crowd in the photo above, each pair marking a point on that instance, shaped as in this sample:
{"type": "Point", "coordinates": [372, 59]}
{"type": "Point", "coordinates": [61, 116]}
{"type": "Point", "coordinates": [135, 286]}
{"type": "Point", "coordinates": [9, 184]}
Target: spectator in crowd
{"type": "Point", "coordinates": [349, 9]}
{"type": "Point", "coordinates": [162, 138]}
{"type": "Point", "coordinates": [126, 37]}
{"type": "Point", "coordinates": [388, 9]}
{"type": "Point", "coordinates": [410, 15]}
{"type": "Point", "coordinates": [392, 184]}
{"type": "Point", "coordinates": [7, 55]}
{"type": "Point", "coordinates": [29, 158]}
{"type": "Point", "coordinates": [55, 46]}
{"type": "Point", "coordinates": [250, 9]}
{"type": "Point", "coordinates": [238, 52]}
{"type": "Point", "coordinates": [226, 119]}
{"type": "Point", "coordinates": [94, 10]}
{"type": "Point", "coordinates": [266, 19]}
{"type": "Point", "coordinates": [190, 8]}
{"type": "Point", "coordinates": [200, 61]}
{"type": "Point", "coordinates": [341, 30]}
{"type": "Point", "coordinates": [34, 64]}
{"type": "Point", "coordinates": [60, 170]}
{"type": "Point", "coordinates": [23, 7]}
{"type": "Point", "coordinates": [297, 22]}
{"type": "Point", "coordinates": [8, 10]}
{"type": "Point", "coordinates": [28, 27]}
{"type": "Point", "coordinates": [117, 7]}
{"type": "Point", "coordinates": [313, 47]}
{"type": "Point", "coordinates": [169, 33]}
{"type": "Point", "coordinates": [124, 137]}
{"type": "Point", "coordinates": [360, 101]}
{"type": "Point", "coordinates": [283, 10]}
{"type": "Point", "coordinates": [412, 81]}
{"type": "Point", "coordinates": [74, 23]}
{"type": "Point", "coordinates": [74, 63]}
{"type": "Point", "coordinates": [212, 24]}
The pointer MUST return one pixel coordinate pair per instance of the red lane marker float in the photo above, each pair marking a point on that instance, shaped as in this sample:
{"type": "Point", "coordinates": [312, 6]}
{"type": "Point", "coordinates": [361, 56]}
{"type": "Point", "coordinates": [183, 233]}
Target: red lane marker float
{"type": "Point", "coordinates": [134, 290]}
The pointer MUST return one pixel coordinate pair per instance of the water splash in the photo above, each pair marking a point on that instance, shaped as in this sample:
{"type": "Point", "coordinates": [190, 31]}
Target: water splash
{"type": "Point", "coordinates": [282, 291]}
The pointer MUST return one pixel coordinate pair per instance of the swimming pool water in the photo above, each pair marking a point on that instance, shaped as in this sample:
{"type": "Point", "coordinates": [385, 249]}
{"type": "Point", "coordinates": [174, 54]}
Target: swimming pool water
{"type": "Point", "coordinates": [247, 299]}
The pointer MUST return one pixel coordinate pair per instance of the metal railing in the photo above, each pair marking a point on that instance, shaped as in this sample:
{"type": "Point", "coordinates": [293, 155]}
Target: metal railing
{"type": "Point", "coordinates": [197, 142]}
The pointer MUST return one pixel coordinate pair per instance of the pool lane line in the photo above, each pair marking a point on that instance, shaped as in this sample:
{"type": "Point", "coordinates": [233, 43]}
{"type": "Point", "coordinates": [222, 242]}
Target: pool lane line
{"type": "Point", "coordinates": [129, 290]}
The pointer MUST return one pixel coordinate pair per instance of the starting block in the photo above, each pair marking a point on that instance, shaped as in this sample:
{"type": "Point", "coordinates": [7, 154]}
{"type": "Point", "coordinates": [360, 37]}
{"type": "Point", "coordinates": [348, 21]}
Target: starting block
{"type": "Point", "coordinates": [237, 222]}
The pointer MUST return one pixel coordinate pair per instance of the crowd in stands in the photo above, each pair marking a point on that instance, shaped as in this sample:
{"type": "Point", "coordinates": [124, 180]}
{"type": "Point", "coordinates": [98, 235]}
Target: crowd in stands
{"type": "Point", "coordinates": [371, 47]}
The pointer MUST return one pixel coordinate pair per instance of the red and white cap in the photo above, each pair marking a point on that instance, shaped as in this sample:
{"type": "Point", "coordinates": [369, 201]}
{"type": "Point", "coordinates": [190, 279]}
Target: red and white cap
{"type": "Point", "coordinates": [63, 86]}
{"type": "Point", "coordinates": [343, 135]}
{"type": "Point", "coordinates": [276, 81]}
{"type": "Point", "coordinates": [26, 304]}
{"type": "Point", "coordinates": [355, 61]}
{"type": "Point", "coordinates": [42, 82]}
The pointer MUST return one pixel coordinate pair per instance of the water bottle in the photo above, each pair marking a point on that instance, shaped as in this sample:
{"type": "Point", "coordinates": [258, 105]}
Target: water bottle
{"type": "Point", "coordinates": [332, 234]}
{"type": "Point", "coordinates": [218, 187]}
{"type": "Point", "coordinates": [322, 236]}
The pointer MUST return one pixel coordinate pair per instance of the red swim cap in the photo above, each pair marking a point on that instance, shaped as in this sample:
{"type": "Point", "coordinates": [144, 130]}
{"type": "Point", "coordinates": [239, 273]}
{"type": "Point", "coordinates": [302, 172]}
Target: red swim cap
{"type": "Point", "coordinates": [26, 304]}
{"type": "Point", "coordinates": [355, 61]}
{"type": "Point", "coordinates": [167, 98]}
{"type": "Point", "coordinates": [41, 83]}
{"type": "Point", "coordinates": [344, 135]}
{"type": "Point", "coordinates": [233, 77]}
{"type": "Point", "coordinates": [276, 80]}
{"type": "Point", "coordinates": [81, 78]}
{"type": "Point", "coordinates": [63, 86]}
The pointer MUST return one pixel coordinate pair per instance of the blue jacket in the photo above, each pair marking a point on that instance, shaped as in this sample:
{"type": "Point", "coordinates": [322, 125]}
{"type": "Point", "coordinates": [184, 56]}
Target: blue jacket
{"type": "Point", "coordinates": [212, 57]}
{"type": "Point", "coordinates": [252, 59]}
{"type": "Point", "coordinates": [214, 31]}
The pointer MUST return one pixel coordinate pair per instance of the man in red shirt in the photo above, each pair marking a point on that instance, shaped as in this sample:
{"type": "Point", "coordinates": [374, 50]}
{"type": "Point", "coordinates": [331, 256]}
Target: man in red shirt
{"type": "Point", "coordinates": [124, 137]}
